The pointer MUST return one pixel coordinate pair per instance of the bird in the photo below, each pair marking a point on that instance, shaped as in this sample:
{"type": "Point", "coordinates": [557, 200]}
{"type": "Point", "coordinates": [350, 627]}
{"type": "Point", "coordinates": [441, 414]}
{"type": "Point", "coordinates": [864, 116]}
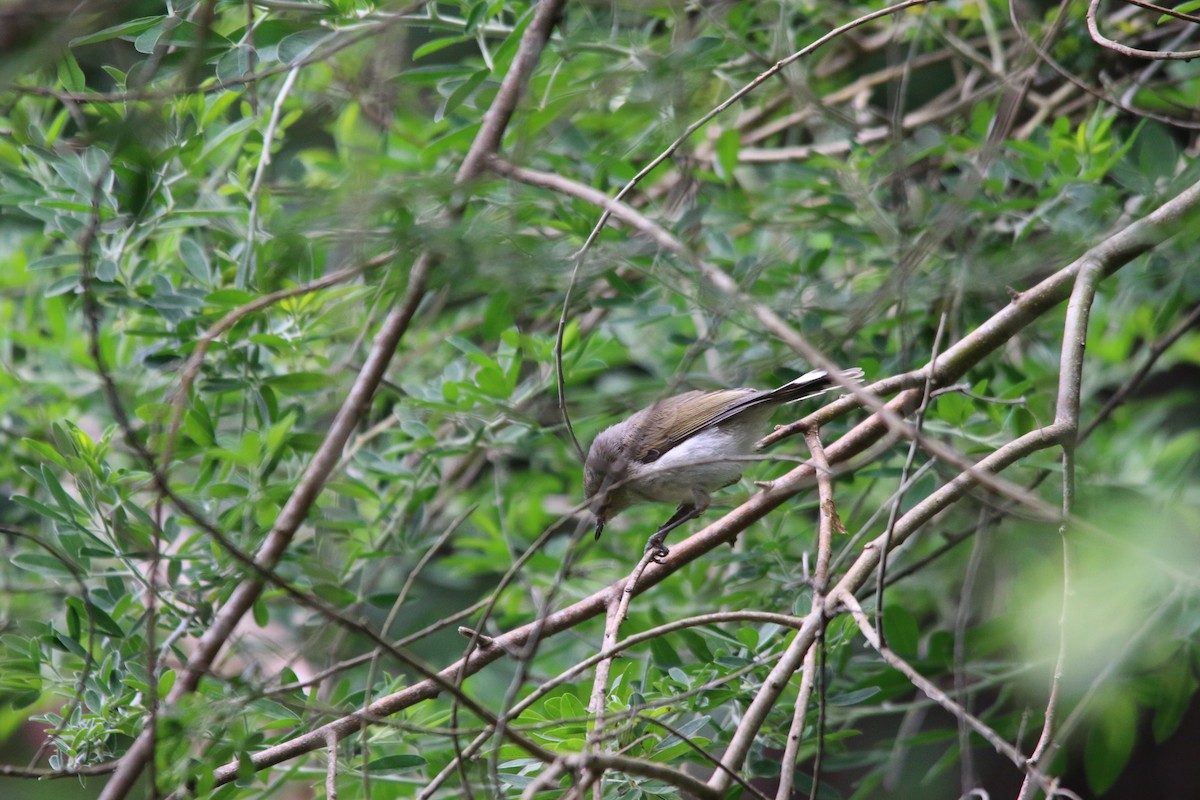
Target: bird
{"type": "Point", "coordinates": [683, 448]}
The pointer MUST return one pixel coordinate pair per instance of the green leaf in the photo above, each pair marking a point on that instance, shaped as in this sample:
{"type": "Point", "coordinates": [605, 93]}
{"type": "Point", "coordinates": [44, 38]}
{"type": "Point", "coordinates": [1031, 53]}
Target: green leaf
{"type": "Point", "coordinates": [262, 614]}
{"type": "Point", "coordinates": [196, 260]}
{"type": "Point", "coordinates": [198, 427]}
{"type": "Point", "coordinates": [299, 381]}
{"type": "Point", "coordinates": [45, 451]}
{"type": "Point", "coordinates": [20, 675]}
{"type": "Point", "coordinates": [41, 563]}
{"type": "Point", "coordinates": [696, 644]}
{"type": "Point", "coordinates": [235, 63]}
{"type": "Point", "coordinates": [396, 763]}
{"type": "Point", "coordinates": [433, 75]}
{"type": "Point", "coordinates": [438, 44]}
{"type": "Point", "coordinates": [40, 508]}
{"type": "Point", "coordinates": [228, 298]}
{"type": "Point", "coordinates": [1110, 740]}
{"type": "Point", "coordinates": [70, 75]}
{"type": "Point", "coordinates": [277, 434]}
{"type": "Point", "coordinates": [855, 697]}
{"type": "Point", "coordinates": [570, 707]}
{"type": "Point", "coordinates": [1177, 688]}
{"type": "Point", "coordinates": [105, 624]}
{"type": "Point", "coordinates": [460, 93]}
{"type": "Point", "coordinates": [147, 40]}
{"type": "Point", "coordinates": [901, 630]}
{"type": "Point", "coordinates": [476, 16]}
{"type": "Point", "coordinates": [503, 55]}
{"type": "Point", "coordinates": [54, 261]}
{"type": "Point", "coordinates": [727, 146]}
{"type": "Point", "coordinates": [334, 595]}
{"type": "Point", "coordinates": [665, 656]}
{"type": "Point", "coordinates": [74, 623]}
{"type": "Point", "coordinates": [300, 46]}
{"type": "Point", "coordinates": [492, 381]}
{"type": "Point", "coordinates": [125, 30]}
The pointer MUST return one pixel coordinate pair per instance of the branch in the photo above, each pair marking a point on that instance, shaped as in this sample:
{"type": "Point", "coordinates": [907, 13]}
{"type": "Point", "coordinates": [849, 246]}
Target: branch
{"type": "Point", "coordinates": [353, 408]}
{"type": "Point", "coordinates": [490, 649]}
{"type": "Point", "coordinates": [1170, 12]}
{"type": "Point", "coordinates": [808, 670]}
{"type": "Point", "coordinates": [735, 97]}
{"type": "Point", "coordinates": [618, 609]}
{"type": "Point", "coordinates": [291, 516]}
{"type": "Point", "coordinates": [1066, 415]}
{"type": "Point", "coordinates": [495, 121]}
{"type": "Point", "coordinates": [1112, 254]}
{"type": "Point", "coordinates": [938, 696]}
{"type": "Point", "coordinates": [1133, 52]}
{"type": "Point", "coordinates": [191, 367]}
{"type": "Point", "coordinates": [756, 713]}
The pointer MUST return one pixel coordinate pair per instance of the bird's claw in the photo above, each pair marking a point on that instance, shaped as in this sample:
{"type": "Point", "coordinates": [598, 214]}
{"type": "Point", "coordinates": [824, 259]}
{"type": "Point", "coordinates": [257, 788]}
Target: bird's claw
{"type": "Point", "coordinates": [660, 550]}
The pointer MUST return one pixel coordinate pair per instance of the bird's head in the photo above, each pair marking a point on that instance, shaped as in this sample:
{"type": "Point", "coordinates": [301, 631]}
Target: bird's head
{"type": "Point", "coordinates": [605, 479]}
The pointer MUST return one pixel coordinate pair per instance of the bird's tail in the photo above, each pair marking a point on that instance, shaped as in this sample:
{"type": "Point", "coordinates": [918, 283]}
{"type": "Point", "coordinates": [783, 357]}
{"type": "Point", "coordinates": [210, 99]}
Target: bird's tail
{"type": "Point", "coordinates": [813, 383]}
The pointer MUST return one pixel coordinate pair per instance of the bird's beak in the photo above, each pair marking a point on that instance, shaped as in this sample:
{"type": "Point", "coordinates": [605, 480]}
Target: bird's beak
{"type": "Point", "coordinates": [599, 527]}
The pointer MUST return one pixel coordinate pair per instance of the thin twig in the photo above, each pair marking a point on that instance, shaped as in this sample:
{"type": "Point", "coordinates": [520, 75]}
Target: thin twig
{"type": "Point", "coordinates": [245, 271]}
{"type": "Point", "coordinates": [1069, 76]}
{"type": "Point", "coordinates": [1153, 353]}
{"type": "Point", "coordinates": [898, 497]}
{"type": "Point", "coordinates": [787, 769]}
{"type": "Point", "coordinates": [734, 98]}
{"type": "Point", "coordinates": [559, 375]}
{"type": "Point", "coordinates": [813, 668]}
{"type": "Point", "coordinates": [618, 611]}
{"type": "Point", "coordinates": [1115, 251]}
{"type": "Point", "coordinates": [191, 367]}
{"type": "Point", "coordinates": [1066, 416]}
{"type": "Point", "coordinates": [937, 695]}
{"type": "Point", "coordinates": [1133, 52]}
{"type": "Point", "coordinates": [331, 744]}
{"type": "Point", "coordinates": [1170, 12]}
{"type": "Point", "coordinates": [579, 668]}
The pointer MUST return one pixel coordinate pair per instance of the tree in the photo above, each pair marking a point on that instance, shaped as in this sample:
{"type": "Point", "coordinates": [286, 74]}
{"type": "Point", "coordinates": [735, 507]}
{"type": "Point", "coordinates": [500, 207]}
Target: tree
{"type": "Point", "coordinates": [296, 296]}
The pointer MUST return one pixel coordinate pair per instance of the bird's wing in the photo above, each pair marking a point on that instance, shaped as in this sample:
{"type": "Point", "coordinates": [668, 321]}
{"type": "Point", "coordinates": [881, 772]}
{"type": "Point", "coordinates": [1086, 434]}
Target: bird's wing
{"type": "Point", "coordinates": [810, 384]}
{"type": "Point", "coordinates": [696, 411]}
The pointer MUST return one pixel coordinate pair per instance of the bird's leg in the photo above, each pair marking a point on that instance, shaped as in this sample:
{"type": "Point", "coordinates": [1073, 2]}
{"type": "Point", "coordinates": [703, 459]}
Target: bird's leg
{"type": "Point", "coordinates": [685, 512]}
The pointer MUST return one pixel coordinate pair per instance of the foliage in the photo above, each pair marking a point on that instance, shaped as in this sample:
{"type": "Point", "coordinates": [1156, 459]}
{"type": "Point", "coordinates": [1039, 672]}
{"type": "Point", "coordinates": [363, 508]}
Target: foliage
{"type": "Point", "coordinates": [210, 209]}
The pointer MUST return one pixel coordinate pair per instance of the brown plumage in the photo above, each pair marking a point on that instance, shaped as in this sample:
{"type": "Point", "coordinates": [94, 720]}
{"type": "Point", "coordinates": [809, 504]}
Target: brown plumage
{"type": "Point", "coordinates": [672, 451]}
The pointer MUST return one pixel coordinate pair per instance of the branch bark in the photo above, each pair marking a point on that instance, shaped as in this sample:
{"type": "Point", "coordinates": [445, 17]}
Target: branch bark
{"type": "Point", "coordinates": [356, 404]}
{"type": "Point", "coordinates": [1110, 255]}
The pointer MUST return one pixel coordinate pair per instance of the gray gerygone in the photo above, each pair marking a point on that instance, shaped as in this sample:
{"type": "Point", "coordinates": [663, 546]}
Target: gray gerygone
{"type": "Point", "coordinates": [673, 451]}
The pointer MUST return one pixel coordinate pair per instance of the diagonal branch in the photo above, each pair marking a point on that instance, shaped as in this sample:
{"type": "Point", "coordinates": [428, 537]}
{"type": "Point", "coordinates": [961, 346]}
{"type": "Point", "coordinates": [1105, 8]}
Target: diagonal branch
{"type": "Point", "coordinates": [291, 516]}
{"type": "Point", "coordinates": [938, 696]}
{"type": "Point", "coordinates": [355, 406]}
{"type": "Point", "coordinates": [1112, 254]}
{"type": "Point", "coordinates": [1133, 52]}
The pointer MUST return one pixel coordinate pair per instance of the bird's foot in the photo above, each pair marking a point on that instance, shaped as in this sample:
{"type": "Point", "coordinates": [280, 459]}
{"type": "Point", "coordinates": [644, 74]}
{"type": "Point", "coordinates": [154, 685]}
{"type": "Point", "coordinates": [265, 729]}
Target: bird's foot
{"type": "Point", "coordinates": [655, 544]}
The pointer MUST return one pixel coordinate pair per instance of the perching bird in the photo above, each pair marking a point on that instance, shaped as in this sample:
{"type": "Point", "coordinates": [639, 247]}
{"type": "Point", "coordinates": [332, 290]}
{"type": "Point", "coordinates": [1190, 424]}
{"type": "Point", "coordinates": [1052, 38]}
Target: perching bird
{"type": "Point", "coordinates": [674, 451]}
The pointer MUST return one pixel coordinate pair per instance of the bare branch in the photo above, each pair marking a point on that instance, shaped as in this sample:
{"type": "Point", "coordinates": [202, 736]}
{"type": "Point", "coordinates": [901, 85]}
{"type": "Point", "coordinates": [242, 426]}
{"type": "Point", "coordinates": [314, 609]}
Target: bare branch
{"type": "Point", "coordinates": [937, 695]}
{"type": "Point", "coordinates": [1113, 253]}
{"type": "Point", "coordinates": [1133, 52]}
{"type": "Point", "coordinates": [735, 97]}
